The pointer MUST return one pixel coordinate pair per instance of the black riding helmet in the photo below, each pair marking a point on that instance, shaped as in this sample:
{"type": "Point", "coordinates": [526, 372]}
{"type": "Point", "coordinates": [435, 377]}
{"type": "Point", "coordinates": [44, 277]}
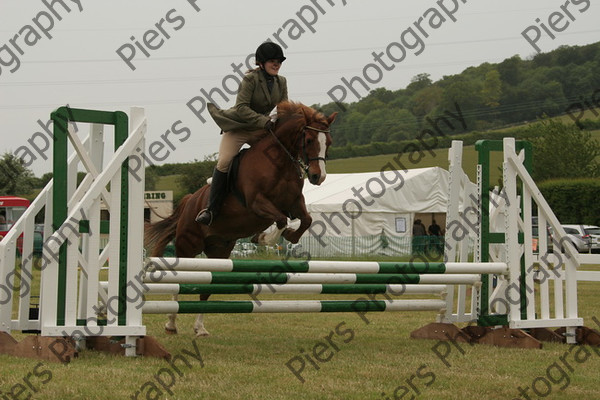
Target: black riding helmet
{"type": "Point", "coordinates": [269, 51]}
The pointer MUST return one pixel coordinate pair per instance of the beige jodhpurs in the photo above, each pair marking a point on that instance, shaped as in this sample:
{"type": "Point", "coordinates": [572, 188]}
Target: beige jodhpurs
{"type": "Point", "coordinates": [231, 143]}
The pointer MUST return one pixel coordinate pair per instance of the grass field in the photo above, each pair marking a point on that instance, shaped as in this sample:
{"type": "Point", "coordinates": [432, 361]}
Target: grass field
{"type": "Point", "coordinates": [433, 158]}
{"type": "Point", "coordinates": [334, 356]}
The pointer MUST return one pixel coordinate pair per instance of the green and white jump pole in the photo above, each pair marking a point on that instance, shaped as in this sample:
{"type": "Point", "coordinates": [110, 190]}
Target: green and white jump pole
{"type": "Point", "coordinates": [290, 306]}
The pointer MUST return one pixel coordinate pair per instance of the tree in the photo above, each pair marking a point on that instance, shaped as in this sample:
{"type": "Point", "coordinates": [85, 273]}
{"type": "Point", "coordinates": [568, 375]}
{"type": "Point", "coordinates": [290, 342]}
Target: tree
{"type": "Point", "coordinates": [425, 100]}
{"type": "Point", "coordinates": [510, 70]}
{"type": "Point", "coordinates": [15, 177]}
{"type": "Point", "coordinates": [384, 125]}
{"type": "Point", "coordinates": [45, 179]}
{"type": "Point", "coordinates": [367, 105]}
{"type": "Point", "coordinates": [467, 94]}
{"type": "Point", "coordinates": [151, 177]}
{"type": "Point", "coordinates": [418, 82]}
{"type": "Point", "coordinates": [562, 151]}
{"type": "Point", "coordinates": [194, 174]}
{"type": "Point", "coordinates": [492, 89]}
{"type": "Point", "coordinates": [347, 130]}
{"type": "Point", "coordinates": [381, 94]}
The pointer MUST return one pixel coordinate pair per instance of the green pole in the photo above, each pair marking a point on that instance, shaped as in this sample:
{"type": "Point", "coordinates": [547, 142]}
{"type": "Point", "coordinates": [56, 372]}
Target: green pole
{"type": "Point", "coordinates": [121, 132]}
{"type": "Point", "coordinates": [60, 120]}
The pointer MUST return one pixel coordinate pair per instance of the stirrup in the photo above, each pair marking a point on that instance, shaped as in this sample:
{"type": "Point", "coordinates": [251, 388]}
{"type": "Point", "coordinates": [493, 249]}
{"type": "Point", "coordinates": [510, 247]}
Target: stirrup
{"type": "Point", "coordinates": [204, 217]}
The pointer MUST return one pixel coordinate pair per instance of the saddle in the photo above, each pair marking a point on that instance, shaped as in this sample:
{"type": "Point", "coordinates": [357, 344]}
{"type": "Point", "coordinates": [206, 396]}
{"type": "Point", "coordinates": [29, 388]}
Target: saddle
{"type": "Point", "coordinates": [232, 175]}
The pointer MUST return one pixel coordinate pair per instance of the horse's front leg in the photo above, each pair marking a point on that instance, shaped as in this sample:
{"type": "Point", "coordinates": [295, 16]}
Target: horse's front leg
{"type": "Point", "coordinates": [264, 208]}
{"type": "Point", "coordinates": [299, 210]}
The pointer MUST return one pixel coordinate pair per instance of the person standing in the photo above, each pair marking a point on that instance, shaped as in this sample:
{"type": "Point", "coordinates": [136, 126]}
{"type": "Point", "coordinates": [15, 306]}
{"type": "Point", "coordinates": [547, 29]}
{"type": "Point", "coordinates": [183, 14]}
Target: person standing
{"type": "Point", "coordinates": [419, 237]}
{"type": "Point", "coordinates": [435, 239]}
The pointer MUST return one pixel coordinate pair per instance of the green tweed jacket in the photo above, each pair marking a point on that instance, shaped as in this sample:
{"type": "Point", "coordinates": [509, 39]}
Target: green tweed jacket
{"type": "Point", "coordinates": [253, 103]}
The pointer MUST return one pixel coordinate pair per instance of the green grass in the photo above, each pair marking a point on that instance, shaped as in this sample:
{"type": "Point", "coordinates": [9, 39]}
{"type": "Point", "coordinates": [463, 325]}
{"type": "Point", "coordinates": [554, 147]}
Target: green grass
{"type": "Point", "coordinates": [168, 182]}
{"type": "Point", "coordinates": [246, 356]}
{"type": "Point", "coordinates": [433, 158]}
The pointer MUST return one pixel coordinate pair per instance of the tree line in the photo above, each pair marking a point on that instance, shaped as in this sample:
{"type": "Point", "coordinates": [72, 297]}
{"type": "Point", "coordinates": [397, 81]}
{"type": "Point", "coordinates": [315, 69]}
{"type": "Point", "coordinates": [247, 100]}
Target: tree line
{"type": "Point", "coordinates": [490, 95]}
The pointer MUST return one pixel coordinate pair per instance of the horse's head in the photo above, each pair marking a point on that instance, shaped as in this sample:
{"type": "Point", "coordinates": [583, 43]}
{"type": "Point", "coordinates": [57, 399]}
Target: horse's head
{"type": "Point", "coordinates": [312, 140]}
{"type": "Point", "coordinates": [316, 141]}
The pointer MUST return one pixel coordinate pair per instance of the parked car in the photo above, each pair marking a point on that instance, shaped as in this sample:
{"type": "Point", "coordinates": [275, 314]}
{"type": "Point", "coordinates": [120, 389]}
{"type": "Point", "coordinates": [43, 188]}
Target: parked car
{"type": "Point", "coordinates": [38, 240]}
{"type": "Point", "coordinates": [591, 233]}
{"type": "Point", "coordinates": [594, 232]}
{"type": "Point", "coordinates": [583, 237]}
{"type": "Point", "coordinates": [535, 233]}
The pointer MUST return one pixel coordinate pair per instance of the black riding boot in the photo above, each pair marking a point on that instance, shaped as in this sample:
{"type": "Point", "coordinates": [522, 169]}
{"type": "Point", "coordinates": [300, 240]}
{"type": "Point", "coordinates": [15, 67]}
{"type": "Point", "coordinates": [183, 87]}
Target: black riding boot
{"type": "Point", "coordinates": [218, 191]}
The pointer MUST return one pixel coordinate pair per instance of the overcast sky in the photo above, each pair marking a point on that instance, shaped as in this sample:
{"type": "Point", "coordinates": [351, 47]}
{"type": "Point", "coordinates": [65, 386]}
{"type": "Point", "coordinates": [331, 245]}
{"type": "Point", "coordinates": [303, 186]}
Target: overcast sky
{"type": "Point", "coordinates": [76, 62]}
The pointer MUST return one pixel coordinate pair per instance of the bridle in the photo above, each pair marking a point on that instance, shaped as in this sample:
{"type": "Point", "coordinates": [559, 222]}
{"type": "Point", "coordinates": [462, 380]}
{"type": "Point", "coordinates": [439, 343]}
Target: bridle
{"type": "Point", "coordinates": [303, 163]}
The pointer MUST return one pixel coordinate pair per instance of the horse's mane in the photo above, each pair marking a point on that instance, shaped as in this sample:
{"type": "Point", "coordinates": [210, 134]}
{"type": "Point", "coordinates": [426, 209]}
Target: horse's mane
{"type": "Point", "coordinates": [288, 111]}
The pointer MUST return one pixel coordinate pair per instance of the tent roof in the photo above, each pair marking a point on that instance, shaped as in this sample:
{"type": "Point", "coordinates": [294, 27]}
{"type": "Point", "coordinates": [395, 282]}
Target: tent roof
{"type": "Point", "coordinates": [410, 191]}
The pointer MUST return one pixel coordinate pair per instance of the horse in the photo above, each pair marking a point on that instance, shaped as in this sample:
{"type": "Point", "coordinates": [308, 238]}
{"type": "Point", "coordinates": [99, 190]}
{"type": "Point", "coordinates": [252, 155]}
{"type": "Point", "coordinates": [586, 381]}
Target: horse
{"type": "Point", "coordinates": [267, 190]}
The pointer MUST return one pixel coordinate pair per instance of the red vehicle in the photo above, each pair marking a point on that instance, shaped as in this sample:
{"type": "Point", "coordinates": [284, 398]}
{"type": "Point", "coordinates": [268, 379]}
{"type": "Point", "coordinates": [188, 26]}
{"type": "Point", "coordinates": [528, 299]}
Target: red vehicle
{"type": "Point", "coordinates": [11, 209]}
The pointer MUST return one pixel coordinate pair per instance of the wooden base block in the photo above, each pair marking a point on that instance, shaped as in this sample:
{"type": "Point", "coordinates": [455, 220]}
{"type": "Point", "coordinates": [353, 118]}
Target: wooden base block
{"type": "Point", "coordinates": [58, 349]}
{"type": "Point", "coordinates": [146, 346]}
{"type": "Point", "coordinates": [583, 335]}
{"type": "Point", "coordinates": [476, 332]}
{"type": "Point", "coordinates": [547, 335]}
{"type": "Point", "coordinates": [506, 337]}
{"type": "Point", "coordinates": [53, 349]}
{"type": "Point", "coordinates": [7, 343]}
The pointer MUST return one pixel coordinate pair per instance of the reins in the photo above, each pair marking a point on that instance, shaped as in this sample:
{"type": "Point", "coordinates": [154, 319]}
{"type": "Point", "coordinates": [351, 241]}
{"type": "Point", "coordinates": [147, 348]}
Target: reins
{"type": "Point", "coordinates": [304, 161]}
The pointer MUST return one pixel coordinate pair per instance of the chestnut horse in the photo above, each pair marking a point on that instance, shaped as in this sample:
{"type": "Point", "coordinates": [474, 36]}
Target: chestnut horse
{"type": "Point", "coordinates": [270, 179]}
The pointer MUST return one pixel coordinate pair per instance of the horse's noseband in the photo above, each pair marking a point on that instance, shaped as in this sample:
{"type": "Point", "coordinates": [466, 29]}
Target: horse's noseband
{"type": "Point", "coordinates": [305, 157]}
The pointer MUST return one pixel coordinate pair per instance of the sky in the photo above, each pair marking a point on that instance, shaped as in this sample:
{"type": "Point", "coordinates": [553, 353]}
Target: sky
{"type": "Point", "coordinates": [171, 56]}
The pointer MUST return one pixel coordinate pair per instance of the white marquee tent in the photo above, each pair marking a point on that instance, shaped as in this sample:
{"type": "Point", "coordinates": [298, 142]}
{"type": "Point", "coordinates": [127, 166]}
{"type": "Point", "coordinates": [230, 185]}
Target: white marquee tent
{"type": "Point", "coordinates": [373, 213]}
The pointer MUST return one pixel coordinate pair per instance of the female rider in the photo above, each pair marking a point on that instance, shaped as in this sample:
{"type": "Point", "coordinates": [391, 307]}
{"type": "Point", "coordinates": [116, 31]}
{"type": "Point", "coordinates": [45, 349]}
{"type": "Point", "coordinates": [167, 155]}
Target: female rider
{"type": "Point", "coordinates": [260, 91]}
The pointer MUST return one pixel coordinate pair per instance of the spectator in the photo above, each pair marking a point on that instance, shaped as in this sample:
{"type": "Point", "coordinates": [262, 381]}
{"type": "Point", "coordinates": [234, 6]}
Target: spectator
{"type": "Point", "coordinates": [419, 237]}
{"type": "Point", "coordinates": [435, 240]}
{"type": "Point", "coordinates": [434, 228]}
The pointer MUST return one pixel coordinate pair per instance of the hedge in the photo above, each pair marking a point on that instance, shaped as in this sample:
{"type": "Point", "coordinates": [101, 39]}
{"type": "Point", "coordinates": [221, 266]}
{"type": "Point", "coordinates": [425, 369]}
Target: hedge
{"type": "Point", "coordinates": [574, 201]}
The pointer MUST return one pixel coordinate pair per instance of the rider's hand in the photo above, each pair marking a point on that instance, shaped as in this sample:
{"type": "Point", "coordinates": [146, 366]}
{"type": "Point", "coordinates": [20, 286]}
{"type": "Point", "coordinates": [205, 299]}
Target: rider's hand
{"type": "Point", "coordinates": [269, 125]}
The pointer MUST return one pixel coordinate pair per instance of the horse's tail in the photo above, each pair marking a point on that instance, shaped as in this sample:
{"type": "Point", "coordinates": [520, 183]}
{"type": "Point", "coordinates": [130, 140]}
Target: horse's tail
{"type": "Point", "coordinates": [158, 235]}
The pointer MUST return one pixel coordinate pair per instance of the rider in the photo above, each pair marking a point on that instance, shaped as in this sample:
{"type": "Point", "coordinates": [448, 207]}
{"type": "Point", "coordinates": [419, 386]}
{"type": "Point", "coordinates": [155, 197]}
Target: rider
{"type": "Point", "coordinates": [260, 91]}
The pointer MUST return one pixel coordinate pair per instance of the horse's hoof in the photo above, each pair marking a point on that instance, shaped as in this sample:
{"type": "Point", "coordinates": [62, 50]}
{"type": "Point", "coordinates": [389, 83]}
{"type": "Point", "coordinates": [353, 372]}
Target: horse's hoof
{"type": "Point", "coordinates": [170, 331]}
{"type": "Point", "coordinates": [202, 333]}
